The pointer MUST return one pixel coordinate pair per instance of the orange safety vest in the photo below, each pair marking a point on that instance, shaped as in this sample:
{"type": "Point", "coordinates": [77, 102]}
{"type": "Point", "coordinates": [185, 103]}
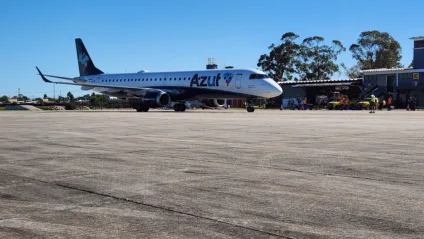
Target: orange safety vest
{"type": "Point", "coordinates": [304, 101]}
{"type": "Point", "coordinates": [341, 102]}
{"type": "Point", "coordinates": [389, 101]}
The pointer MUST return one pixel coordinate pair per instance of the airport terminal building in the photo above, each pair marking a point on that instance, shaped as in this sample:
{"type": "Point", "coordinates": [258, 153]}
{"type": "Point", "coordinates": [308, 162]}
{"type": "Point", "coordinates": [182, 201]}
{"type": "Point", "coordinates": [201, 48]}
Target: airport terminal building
{"type": "Point", "coordinates": [400, 82]}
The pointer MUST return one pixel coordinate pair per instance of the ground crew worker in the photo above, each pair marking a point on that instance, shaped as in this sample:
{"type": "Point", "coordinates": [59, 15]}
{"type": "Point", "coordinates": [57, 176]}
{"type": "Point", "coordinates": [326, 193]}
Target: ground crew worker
{"type": "Point", "coordinates": [389, 103]}
{"type": "Point", "coordinates": [372, 103]}
{"type": "Point", "coordinates": [346, 103]}
{"type": "Point", "coordinates": [304, 104]}
{"type": "Point", "coordinates": [341, 103]}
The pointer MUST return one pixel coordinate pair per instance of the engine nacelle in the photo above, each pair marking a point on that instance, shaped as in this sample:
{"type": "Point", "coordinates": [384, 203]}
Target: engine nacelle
{"type": "Point", "coordinates": [152, 99]}
{"type": "Point", "coordinates": [214, 103]}
{"type": "Point", "coordinates": [156, 99]}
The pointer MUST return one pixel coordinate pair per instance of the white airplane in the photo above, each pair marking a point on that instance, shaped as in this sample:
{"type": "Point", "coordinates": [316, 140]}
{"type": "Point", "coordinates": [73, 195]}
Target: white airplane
{"type": "Point", "coordinates": [146, 90]}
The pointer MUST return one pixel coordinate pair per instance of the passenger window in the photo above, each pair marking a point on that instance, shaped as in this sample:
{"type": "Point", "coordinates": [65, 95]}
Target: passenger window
{"type": "Point", "coordinates": [160, 79]}
{"type": "Point", "coordinates": [164, 78]}
{"type": "Point", "coordinates": [156, 79]}
{"type": "Point", "coordinates": [175, 78]}
{"type": "Point", "coordinates": [184, 78]}
{"type": "Point", "coordinates": [180, 78]}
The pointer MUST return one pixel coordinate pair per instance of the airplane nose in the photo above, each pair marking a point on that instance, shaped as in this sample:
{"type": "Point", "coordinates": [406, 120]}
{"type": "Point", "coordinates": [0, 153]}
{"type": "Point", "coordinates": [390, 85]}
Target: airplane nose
{"type": "Point", "coordinates": [274, 89]}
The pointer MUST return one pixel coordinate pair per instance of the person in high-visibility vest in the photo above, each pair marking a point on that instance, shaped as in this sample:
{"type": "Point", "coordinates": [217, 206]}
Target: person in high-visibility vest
{"type": "Point", "coordinates": [372, 103]}
{"type": "Point", "coordinates": [346, 103]}
{"type": "Point", "coordinates": [304, 104]}
{"type": "Point", "coordinates": [341, 103]}
{"type": "Point", "coordinates": [389, 103]}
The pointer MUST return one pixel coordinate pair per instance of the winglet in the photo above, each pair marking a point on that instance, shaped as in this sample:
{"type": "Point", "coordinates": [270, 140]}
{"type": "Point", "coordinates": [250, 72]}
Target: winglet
{"type": "Point", "coordinates": [42, 76]}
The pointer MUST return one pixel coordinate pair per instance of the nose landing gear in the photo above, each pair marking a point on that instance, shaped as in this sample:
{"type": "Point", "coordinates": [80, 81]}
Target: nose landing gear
{"type": "Point", "coordinates": [249, 106]}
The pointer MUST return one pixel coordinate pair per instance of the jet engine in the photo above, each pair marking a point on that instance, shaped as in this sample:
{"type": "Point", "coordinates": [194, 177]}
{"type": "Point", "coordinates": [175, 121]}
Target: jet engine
{"type": "Point", "coordinates": [152, 99]}
{"type": "Point", "coordinates": [214, 103]}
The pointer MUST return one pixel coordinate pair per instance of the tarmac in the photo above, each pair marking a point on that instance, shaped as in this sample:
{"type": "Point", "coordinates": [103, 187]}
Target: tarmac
{"type": "Point", "coordinates": [212, 174]}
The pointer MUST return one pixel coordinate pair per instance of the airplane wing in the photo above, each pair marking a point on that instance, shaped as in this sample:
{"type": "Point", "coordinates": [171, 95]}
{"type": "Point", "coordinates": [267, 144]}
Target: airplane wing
{"type": "Point", "coordinates": [102, 86]}
{"type": "Point", "coordinates": [67, 78]}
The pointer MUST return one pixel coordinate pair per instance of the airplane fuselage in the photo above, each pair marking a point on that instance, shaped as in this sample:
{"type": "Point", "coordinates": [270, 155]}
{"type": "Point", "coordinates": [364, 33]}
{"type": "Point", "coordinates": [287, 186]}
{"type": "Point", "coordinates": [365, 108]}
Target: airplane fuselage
{"type": "Point", "coordinates": [146, 90]}
{"type": "Point", "coordinates": [185, 85]}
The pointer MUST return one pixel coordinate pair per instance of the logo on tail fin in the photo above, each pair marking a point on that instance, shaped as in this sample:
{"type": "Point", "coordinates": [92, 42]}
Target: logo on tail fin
{"type": "Point", "coordinates": [83, 59]}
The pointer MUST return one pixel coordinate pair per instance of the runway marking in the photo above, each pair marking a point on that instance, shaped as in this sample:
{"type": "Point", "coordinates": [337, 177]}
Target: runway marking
{"type": "Point", "coordinates": [152, 206]}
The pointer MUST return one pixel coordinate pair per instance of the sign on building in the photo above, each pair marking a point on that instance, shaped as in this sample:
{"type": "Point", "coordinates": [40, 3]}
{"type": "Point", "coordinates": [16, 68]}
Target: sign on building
{"type": "Point", "coordinates": [416, 76]}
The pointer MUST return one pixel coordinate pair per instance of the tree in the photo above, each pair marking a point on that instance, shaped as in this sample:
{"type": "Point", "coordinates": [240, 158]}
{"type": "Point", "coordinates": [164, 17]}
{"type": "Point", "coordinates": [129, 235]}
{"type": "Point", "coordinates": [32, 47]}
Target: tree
{"type": "Point", "coordinates": [45, 96]}
{"type": "Point", "coordinates": [280, 62]}
{"type": "Point", "coordinates": [375, 50]}
{"type": "Point", "coordinates": [4, 99]}
{"type": "Point", "coordinates": [70, 96]}
{"type": "Point", "coordinates": [311, 59]}
{"type": "Point", "coordinates": [39, 101]}
{"type": "Point", "coordinates": [318, 59]}
{"type": "Point", "coordinates": [352, 72]}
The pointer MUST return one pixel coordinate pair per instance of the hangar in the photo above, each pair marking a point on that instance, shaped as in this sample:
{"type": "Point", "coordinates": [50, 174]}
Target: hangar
{"type": "Point", "coordinates": [320, 92]}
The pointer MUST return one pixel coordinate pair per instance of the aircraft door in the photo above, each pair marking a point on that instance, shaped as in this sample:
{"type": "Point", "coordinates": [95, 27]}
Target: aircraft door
{"type": "Point", "coordinates": [239, 76]}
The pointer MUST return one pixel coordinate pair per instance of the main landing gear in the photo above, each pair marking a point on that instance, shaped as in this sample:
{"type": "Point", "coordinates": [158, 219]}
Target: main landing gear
{"type": "Point", "coordinates": [249, 106]}
{"type": "Point", "coordinates": [180, 107]}
{"type": "Point", "coordinates": [142, 109]}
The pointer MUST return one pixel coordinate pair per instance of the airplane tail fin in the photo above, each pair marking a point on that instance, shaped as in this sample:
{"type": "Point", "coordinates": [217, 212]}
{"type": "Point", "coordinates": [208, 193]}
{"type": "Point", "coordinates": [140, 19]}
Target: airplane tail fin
{"type": "Point", "coordinates": [85, 64]}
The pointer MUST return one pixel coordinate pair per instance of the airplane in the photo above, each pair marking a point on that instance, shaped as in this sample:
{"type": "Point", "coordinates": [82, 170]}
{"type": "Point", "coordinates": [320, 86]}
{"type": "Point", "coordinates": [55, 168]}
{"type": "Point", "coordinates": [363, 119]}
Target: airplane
{"type": "Point", "coordinates": [145, 90]}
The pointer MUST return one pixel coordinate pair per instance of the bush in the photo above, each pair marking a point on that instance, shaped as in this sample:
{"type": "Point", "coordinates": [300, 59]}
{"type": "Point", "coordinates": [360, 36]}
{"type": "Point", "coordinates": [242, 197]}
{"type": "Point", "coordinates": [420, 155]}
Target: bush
{"type": "Point", "coordinates": [70, 106]}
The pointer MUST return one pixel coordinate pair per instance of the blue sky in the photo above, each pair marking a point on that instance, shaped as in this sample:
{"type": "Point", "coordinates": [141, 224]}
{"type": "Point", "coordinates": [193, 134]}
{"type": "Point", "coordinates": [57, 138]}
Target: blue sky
{"type": "Point", "coordinates": [128, 36]}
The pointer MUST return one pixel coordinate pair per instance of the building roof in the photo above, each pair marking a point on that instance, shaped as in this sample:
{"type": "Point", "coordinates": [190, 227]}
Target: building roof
{"type": "Point", "coordinates": [319, 81]}
{"type": "Point", "coordinates": [419, 38]}
{"type": "Point", "coordinates": [383, 71]}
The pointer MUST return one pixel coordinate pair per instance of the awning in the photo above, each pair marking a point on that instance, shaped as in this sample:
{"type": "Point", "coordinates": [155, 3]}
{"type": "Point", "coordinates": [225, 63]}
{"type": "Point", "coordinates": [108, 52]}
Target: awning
{"type": "Point", "coordinates": [322, 84]}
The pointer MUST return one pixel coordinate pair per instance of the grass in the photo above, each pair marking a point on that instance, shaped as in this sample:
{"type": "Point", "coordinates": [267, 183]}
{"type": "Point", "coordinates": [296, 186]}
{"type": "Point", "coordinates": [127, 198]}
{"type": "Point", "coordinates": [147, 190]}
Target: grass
{"type": "Point", "coordinates": [44, 107]}
{"type": "Point", "coordinates": [1, 108]}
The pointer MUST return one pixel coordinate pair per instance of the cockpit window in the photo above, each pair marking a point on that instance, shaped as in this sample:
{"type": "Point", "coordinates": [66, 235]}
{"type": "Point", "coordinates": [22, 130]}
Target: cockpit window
{"type": "Point", "coordinates": [257, 76]}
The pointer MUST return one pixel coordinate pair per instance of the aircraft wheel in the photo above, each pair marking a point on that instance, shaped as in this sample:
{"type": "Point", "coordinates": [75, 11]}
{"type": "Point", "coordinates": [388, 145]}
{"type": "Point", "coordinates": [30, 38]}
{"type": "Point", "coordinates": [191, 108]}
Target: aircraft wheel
{"type": "Point", "coordinates": [142, 109]}
{"type": "Point", "coordinates": [177, 107]}
{"type": "Point", "coordinates": [180, 107]}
